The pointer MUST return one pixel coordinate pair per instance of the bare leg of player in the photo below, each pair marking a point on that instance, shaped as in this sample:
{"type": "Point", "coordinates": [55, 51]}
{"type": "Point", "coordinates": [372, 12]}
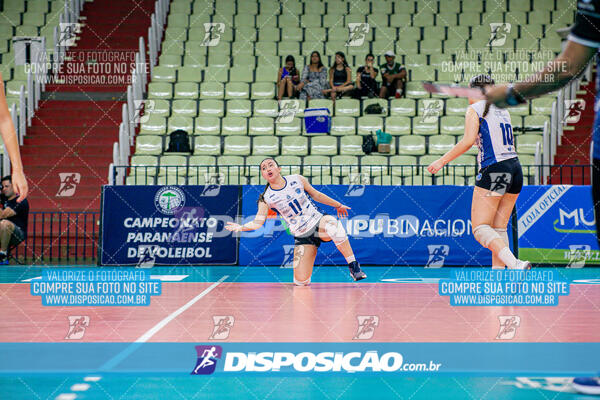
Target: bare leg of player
{"type": "Point", "coordinates": [501, 222]}
{"type": "Point", "coordinates": [330, 229]}
{"type": "Point", "coordinates": [483, 211]}
{"type": "Point", "coordinates": [304, 261]}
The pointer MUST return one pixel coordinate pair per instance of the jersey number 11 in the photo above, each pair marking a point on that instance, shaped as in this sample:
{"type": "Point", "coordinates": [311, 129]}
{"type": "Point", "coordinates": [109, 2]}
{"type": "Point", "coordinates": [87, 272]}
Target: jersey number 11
{"type": "Point", "coordinates": [293, 205]}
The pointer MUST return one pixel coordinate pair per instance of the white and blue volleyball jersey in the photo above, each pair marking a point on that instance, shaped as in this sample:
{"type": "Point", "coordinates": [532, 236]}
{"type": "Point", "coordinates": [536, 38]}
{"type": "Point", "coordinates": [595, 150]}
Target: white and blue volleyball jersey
{"type": "Point", "coordinates": [495, 140]}
{"type": "Point", "coordinates": [586, 31]}
{"type": "Point", "coordinates": [294, 205]}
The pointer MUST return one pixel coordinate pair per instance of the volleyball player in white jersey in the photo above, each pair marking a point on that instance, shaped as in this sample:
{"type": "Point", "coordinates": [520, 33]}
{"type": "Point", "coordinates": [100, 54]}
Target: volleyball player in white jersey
{"type": "Point", "coordinates": [500, 178]}
{"type": "Point", "coordinates": [290, 196]}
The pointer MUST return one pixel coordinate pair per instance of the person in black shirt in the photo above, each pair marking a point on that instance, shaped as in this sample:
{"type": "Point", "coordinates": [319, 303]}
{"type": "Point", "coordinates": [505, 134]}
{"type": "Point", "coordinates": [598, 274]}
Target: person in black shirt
{"type": "Point", "coordinates": [340, 77]}
{"type": "Point", "coordinates": [366, 85]}
{"type": "Point", "coordinates": [13, 218]}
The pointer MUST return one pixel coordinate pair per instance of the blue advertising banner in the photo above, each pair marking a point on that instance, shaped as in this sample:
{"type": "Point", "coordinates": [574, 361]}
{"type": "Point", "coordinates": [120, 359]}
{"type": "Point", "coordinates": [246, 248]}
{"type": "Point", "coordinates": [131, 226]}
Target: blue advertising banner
{"type": "Point", "coordinates": [168, 225]}
{"type": "Point", "coordinates": [556, 225]}
{"type": "Point", "coordinates": [387, 225]}
{"type": "Point", "coordinates": [301, 359]}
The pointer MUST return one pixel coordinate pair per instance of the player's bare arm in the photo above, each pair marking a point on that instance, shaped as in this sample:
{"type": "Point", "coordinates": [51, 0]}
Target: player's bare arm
{"type": "Point", "coordinates": [463, 145]}
{"type": "Point", "coordinates": [557, 73]}
{"type": "Point", "coordinates": [256, 223]}
{"type": "Point", "coordinates": [9, 136]}
{"type": "Point", "coordinates": [322, 198]}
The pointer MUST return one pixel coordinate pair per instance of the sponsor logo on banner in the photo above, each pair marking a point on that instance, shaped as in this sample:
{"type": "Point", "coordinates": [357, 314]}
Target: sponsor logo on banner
{"type": "Point", "coordinates": [366, 326]}
{"type": "Point", "coordinates": [437, 255]}
{"type": "Point", "coordinates": [357, 33]}
{"type": "Point", "coordinates": [508, 326]}
{"type": "Point", "coordinates": [68, 183]}
{"type": "Point", "coordinates": [77, 326]}
{"type": "Point", "coordinates": [212, 33]}
{"type": "Point", "coordinates": [541, 207]}
{"type": "Point", "coordinates": [169, 199]}
{"type": "Point", "coordinates": [223, 325]}
{"type": "Point", "coordinates": [207, 359]}
{"type": "Point", "coordinates": [573, 110]}
{"type": "Point", "coordinates": [499, 33]}
{"type": "Point", "coordinates": [575, 221]}
{"type": "Point", "coordinates": [381, 218]}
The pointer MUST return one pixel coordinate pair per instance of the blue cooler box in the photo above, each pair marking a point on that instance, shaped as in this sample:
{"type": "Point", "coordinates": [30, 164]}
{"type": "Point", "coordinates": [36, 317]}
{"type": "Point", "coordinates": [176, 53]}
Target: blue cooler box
{"type": "Point", "coordinates": [317, 120]}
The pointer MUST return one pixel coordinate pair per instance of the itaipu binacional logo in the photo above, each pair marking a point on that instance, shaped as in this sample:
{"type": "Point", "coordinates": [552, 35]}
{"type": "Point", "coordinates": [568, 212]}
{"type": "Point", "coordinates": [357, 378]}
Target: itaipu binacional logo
{"type": "Point", "coordinates": [169, 199]}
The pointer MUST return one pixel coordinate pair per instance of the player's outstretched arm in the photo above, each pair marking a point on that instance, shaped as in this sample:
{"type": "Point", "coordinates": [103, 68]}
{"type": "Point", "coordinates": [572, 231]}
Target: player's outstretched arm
{"type": "Point", "coordinates": [557, 73]}
{"type": "Point", "coordinates": [9, 136]}
{"type": "Point", "coordinates": [463, 145]}
{"type": "Point", "coordinates": [257, 222]}
{"type": "Point", "coordinates": [322, 198]}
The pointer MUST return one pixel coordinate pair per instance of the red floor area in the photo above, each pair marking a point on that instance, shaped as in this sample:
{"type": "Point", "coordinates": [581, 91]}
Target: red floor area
{"type": "Point", "coordinates": [325, 312]}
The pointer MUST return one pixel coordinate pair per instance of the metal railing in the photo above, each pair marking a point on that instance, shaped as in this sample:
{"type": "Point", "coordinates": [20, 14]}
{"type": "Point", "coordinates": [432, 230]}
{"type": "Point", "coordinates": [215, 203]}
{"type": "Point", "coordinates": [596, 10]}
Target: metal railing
{"type": "Point", "coordinates": [339, 174]}
{"type": "Point", "coordinates": [59, 237]}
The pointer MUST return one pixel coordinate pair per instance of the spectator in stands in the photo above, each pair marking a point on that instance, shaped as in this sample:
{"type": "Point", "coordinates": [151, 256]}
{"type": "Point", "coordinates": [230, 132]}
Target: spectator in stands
{"type": "Point", "coordinates": [288, 79]}
{"type": "Point", "coordinates": [340, 77]}
{"type": "Point", "coordinates": [366, 85]}
{"type": "Point", "coordinates": [313, 81]}
{"type": "Point", "coordinates": [13, 219]}
{"type": "Point", "coordinates": [394, 77]}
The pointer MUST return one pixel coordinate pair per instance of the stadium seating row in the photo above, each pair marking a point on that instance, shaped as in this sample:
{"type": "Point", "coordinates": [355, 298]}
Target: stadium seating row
{"type": "Point", "coordinates": [341, 125]}
{"type": "Point", "coordinates": [319, 145]}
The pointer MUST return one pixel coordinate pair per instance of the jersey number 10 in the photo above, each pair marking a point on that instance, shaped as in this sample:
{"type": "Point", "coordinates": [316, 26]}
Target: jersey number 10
{"type": "Point", "coordinates": [507, 134]}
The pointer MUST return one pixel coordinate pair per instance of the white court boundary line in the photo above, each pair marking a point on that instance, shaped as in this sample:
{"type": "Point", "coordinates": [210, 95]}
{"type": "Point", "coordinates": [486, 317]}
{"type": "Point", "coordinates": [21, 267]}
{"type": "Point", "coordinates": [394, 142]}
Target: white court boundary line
{"type": "Point", "coordinates": [152, 331]}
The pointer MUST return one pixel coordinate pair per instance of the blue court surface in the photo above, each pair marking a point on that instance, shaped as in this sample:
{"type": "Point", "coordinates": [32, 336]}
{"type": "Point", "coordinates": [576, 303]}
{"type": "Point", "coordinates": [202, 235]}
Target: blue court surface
{"type": "Point", "coordinates": [64, 376]}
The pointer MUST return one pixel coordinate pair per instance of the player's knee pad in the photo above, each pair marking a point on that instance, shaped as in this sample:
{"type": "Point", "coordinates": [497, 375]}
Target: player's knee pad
{"type": "Point", "coordinates": [335, 230]}
{"type": "Point", "coordinates": [503, 234]}
{"type": "Point", "coordinates": [485, 234]}
{"type": "Point", "coordinates": [301, 283]}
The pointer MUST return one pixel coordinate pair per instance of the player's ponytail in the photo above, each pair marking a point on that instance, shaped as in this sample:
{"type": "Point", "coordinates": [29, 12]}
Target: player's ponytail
{"type": "Point", "coordinates": [481, 81]}
{"type": "Point", "coordinates": [261, 198]}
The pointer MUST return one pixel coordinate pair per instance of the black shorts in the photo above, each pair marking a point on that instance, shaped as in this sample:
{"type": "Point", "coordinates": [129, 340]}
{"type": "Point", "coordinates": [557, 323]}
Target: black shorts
{"type": "Point", "coordinates": [502, 177]}
{"type": "Point", "coordinates": [17, 237]}
{"type": "Point", "coordinates": [311, 237]}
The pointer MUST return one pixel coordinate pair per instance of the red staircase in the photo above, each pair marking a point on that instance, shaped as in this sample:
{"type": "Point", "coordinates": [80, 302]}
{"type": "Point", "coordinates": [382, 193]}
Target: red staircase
{"type": "Point", "coordinates": [574, 152]}
{"type": "Point", "coordinates": [78, 136]}
{"type": "Point", "coordinates": [73, 131]}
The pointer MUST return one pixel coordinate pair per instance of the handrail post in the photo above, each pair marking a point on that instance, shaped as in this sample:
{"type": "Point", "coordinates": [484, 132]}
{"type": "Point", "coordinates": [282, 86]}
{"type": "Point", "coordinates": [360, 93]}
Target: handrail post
{"type": "Point", "coordinates": [546, 153]}
{"type": "Point", "coordinates": [30, 98]}
{"type": "Point", "coordinates": [22, 111]}
{"type": "Point", "coordinates": [143, 62]}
